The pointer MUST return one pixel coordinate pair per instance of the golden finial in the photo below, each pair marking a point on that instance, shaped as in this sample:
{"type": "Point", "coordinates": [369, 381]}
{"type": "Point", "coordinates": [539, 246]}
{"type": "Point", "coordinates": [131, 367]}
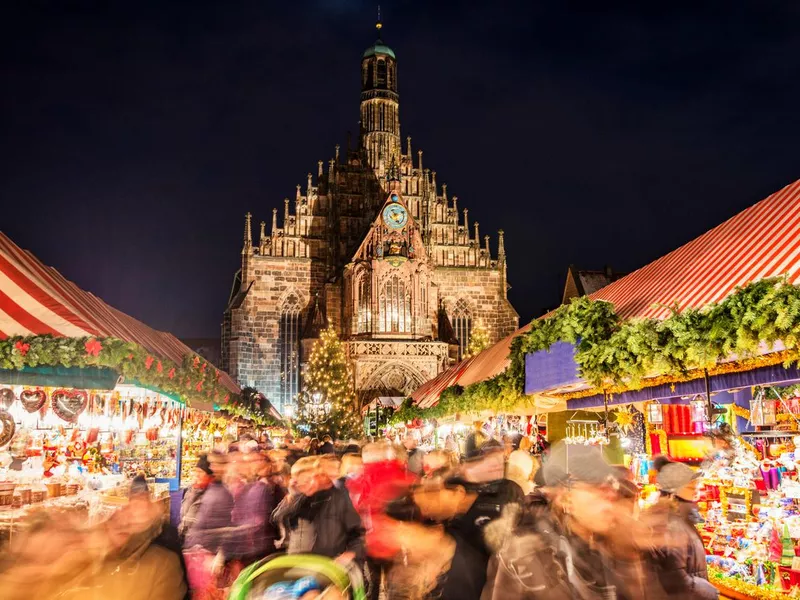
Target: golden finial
{"type": "Point", "coordinates": [379, 24]}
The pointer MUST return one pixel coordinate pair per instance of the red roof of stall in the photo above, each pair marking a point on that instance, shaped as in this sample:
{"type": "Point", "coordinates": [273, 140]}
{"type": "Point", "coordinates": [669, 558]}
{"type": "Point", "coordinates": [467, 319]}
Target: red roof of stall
{"type": "Point", "coordinates": [37, 300]}
{"type": "Point", "coordinates": [761, 241]}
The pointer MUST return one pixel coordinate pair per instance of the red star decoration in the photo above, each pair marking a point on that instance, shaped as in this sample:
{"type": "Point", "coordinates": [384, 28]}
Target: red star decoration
{"type": "Point", "coordinates": [93, 347]}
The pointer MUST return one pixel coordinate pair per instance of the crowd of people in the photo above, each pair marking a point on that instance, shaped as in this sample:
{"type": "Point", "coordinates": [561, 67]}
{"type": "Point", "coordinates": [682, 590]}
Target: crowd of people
{"type": "Point", "coordinates": [495, 523]}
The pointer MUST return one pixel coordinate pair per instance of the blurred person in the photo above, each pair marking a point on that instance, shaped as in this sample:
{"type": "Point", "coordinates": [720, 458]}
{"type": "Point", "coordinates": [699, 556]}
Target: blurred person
{"type": "Point", "coordinates": [327, 446]}
{"type": "Point", "coordinates": [676, 551]}
{"type": "Point", "coordinates": [313, 447]}
{"type": "Point", "coordinates": [455, 506]}
{"type": "Point", "coordinates": [254, 531]}
{"type": "Point", "coordinates": [351, 467]}
{"type": "Point", "coordinates": [202, 476]}
{"type": "Point", "coordinates": [213, 518]}
{"type": "Point", "coordinates": [58, 557]}
{"type": "Point", "coordinates": [525, 444]}
{"type": "Point", "coordinates": [319, 518]}
{"type": "Point", "coordinates": [329, 466]}
{"type": "Point", "coordinates": [520, 470]}
{"type": "Point", "coordinates": [552, 553]}
{"type": "Point", "coordinates": [384, 478]}
{"type": "Point", "coordinates": [438, 463]}
{"type": "Point", "coordinates": [415, 455]}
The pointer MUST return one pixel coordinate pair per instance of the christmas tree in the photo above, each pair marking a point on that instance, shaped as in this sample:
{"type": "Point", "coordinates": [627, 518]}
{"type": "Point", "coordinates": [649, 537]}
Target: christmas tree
{"type": "Point", "coordinates": [478, 341]}
{"type": "Point", "coordinates": [326, 406]}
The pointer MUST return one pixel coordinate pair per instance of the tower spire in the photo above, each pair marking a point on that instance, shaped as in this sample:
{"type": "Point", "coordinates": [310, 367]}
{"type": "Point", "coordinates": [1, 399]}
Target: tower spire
{"type": "Point", "coordinates": [379, 23]}
{"type": "Point", "coordinates": [248, 234]}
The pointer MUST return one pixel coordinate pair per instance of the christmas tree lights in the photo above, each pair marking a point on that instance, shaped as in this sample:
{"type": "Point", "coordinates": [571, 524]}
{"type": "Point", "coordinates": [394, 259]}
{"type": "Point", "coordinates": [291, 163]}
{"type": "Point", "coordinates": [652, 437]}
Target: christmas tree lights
{"type": "Point", "coordinates": [327, 404]}
{"type": "Point", "coordinates": [478, 341]}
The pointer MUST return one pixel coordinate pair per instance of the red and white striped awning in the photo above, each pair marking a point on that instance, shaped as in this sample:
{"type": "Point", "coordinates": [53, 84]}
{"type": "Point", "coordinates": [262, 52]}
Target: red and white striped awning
{"type": "Point", "coordinates": [760, 242]}
{"type": "Point", "coordinates": [38, 300]}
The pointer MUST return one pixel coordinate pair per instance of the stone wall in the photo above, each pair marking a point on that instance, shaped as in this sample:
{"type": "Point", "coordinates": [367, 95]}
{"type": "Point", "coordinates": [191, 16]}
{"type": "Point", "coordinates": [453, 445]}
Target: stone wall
{"type": "Point", "coordinates": [485, 296]}
{"type": "Point", "coordinates": [254, 353]}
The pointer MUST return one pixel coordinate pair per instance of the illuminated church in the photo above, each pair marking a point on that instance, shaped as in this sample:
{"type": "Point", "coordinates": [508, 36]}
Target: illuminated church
{"type": "Point", "coordinates": [373, 246]}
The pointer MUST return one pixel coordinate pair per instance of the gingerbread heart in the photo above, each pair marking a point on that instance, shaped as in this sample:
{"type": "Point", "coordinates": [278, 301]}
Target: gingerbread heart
{"type": "Point", "coordinates": [32, 400]}
{"type": "Point", "coordinates": [7, 398]}
{"type": "Point", "coordinates": [68, 404]}
{"type": "Point", "coordinates": [7, 428]}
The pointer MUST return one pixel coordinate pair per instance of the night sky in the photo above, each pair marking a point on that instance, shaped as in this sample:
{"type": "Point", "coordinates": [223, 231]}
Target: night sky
{"type": "Point", "coordinates": [135, 135]}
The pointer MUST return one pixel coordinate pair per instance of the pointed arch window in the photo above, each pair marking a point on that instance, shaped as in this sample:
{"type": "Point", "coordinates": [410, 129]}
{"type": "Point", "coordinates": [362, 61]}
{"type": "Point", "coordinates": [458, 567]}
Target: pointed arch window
{"type": "Point", "coordinates": [395, 306]}
{"type": "Point", "coordinates": [364, 300]}
{"type": "Point", "coordinates": [462, 326]}
{"type": "Point", "coordinates": [289, 348]}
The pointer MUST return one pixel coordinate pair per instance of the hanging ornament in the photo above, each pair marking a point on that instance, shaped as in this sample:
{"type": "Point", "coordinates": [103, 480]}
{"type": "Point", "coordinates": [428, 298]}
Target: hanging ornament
{"type": "Point", "coordinates": [7, 428]}
{"type": "Point", "coordinates": [33, 400]}
{"type": "Point", "coordinates": [624, 418]}
{"type": "Point", "coordinates": [68, 404]}
{"type": "Point", "coordinates": [7, 398]}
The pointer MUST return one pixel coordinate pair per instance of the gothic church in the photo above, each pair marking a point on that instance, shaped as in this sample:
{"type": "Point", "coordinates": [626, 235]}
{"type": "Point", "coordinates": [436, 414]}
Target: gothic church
{"type": "Point", "coordinates": [374, 247]}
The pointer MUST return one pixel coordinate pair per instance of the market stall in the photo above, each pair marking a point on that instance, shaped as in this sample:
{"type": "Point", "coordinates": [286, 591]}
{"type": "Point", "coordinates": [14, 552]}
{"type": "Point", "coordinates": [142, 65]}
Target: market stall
{"type": "Point", "coordinates": [88, 395]}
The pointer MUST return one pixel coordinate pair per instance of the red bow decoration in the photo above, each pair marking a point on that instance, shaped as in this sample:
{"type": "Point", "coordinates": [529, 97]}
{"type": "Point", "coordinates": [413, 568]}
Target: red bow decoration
{"type": "Point", "coordinates": [196, 361]}
{"type": "Point", "coordinates": [203, 367]}
{"type": "Point", "coordinates": [148, 362]}
{"type": "Point", "coordinates": [159, 367]}
{"type": "Point", "coordinates": [22, 348]}
{"type": "Point", "coordinates": [130, 356]}
{"type": "Point", "coordinates": [171, 373]}
{"type": "Point", "coordinates": [93, 347]}
{"type": "Point", "coordinates": [227, 398]}
{"type": "Point", "coordinates": [199, 386]}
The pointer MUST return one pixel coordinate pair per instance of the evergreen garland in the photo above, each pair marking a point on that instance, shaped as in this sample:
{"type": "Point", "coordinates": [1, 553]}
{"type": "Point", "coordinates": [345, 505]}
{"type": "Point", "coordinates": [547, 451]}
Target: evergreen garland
{"type": "Point", "coordinates": [611, 352]}
{"type": "Point", "coordinates": [194, 379]}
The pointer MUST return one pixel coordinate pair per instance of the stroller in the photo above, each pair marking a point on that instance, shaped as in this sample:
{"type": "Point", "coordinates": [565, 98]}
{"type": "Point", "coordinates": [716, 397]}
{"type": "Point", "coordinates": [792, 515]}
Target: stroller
{"type": "Point", "coordinates": [332, 580]}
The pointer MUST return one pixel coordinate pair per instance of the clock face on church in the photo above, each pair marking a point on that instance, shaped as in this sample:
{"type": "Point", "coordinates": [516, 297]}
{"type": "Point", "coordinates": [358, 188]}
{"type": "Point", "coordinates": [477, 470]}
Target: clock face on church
{"type": "Point", "coordinates": [395, 216]}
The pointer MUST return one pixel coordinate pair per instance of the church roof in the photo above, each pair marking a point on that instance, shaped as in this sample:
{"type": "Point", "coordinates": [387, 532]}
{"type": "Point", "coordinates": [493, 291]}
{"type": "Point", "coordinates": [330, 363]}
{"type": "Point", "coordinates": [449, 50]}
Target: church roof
{"type": "Point", "coordinates": [378, 48]}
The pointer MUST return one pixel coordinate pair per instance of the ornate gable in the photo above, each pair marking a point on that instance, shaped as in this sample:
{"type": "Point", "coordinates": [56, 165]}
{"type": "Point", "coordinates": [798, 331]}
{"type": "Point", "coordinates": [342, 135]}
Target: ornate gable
{"type": "Point", "coordinates": [394, 236]}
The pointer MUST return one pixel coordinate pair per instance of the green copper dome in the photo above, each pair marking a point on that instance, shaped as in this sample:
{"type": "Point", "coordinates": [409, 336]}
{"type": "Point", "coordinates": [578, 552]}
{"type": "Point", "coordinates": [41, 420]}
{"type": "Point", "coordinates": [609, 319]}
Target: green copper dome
{"type": "Point", "coordinates": [379, 48]}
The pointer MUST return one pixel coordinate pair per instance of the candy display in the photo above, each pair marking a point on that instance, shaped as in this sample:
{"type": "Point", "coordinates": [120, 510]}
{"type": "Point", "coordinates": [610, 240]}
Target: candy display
{"type": "Point", "coordinates": [752, 520]}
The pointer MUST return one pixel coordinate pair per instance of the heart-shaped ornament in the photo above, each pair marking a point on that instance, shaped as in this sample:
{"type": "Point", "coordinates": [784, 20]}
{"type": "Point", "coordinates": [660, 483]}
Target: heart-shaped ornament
{"type": "Point", "coordinates": [33, 400]}
{"type": "Point", "coordinates": [7, 428]}
{"type": "Point", "coordinates": [7, 398]}
{"type": "Point", "coordinates": [68, 404]}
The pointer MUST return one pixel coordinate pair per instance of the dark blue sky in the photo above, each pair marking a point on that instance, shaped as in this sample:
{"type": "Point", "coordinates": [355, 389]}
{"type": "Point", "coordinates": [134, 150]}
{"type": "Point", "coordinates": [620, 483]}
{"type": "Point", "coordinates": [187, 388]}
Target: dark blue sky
{"type": "Point", "coordinates": [135, 135]}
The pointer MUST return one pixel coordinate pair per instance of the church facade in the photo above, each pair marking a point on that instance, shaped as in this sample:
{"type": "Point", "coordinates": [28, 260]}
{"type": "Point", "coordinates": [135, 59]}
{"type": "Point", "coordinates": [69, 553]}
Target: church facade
{"type": "Point", "coordinates": [373, 246]}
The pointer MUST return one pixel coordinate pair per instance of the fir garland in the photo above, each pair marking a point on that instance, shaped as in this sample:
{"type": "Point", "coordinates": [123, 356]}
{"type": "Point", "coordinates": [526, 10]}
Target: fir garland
{"type": "Point", "coordinates": [612, 354]}
{"type": "Point", "coordinates": [195, 379]}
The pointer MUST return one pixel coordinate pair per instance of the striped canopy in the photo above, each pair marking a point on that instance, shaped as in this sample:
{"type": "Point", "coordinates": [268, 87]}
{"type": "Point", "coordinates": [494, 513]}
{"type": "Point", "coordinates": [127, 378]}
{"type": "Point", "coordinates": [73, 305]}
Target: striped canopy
{"type": "Point", "coordinates": [37, 300]}
{"type": "Point", "coordinates": [760, 242]}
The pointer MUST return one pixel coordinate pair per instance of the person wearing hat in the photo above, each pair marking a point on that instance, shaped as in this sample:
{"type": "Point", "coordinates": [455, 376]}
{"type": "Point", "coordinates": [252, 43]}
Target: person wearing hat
{"type": "Point", "coordinates": [193, 495]}
{"type": "Point", "coordinates": [676, 551]}
{"type": "Point", "coordinates": [553, 553]}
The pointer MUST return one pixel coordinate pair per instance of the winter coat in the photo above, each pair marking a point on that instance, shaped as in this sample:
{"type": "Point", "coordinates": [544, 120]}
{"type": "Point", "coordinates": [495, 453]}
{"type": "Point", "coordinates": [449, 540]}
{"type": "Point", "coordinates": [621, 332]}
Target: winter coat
{"type": "Point", "coordinates": [211, 529]}
{"type": "Point", "coordinates": [677, 555]}
{"type": "Point", "coordinates": [190, 504]}
{"type": "Point", "coordinates": [252, 510]}
{"type": "Point", "coordinates": [540, 561]}
{"type": "Point", "coordinates": [65, 561]}
{"type": "Point", "coordinates": [325, 523]}
{"type": "Point", "coordinates": [371, 492]}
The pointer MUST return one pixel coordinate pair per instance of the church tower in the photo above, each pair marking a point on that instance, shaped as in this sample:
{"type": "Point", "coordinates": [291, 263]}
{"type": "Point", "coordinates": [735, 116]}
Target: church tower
{"type": "Point", "coordinates": [380, 108]}
{"type": "Point", "coordinates": [367, 243]}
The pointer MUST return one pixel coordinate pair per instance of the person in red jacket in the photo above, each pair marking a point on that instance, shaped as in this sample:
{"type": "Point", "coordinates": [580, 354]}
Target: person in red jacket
{"type": "Point", "coordinates": [384, 478]}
